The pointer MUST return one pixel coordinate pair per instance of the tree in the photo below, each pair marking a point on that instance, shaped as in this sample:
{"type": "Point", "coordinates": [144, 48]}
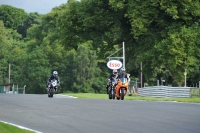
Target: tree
{"type": "Point", "coordinates": [11, 16]}
{"type": "Point", "coordinates": [35, 71]}
{"type": "Point", "coordinates": [12, 52]}
{"type": "Point", "coordinates": [4, 51]}
{"type": "Point", "coordinates": [91, 20]}
{"type": "Point", "coordinates": [32, 18]}
{"type": "Point", "coordinates": [86, 68]}
{"type": "Point", "coordinates": [162, 32]}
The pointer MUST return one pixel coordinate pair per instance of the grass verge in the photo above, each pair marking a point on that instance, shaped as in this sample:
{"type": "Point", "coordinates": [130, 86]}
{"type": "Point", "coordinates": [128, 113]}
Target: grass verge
{"type": "Point", "coordinates": [133, 97]}
{"type": "Point", "coordinates": [7, 128]}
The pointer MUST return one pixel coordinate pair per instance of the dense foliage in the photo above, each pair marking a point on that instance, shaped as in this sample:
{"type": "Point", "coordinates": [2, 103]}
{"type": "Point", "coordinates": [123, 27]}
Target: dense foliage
{"type": "Point", "coordinates": [76, 37]}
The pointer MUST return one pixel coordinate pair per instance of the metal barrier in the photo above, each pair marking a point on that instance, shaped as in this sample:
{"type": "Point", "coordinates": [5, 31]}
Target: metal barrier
{"type": "Point", "coordinates": [2, 89]}
{"type": "Point", "coordinates": [14, 90]}
{"type": "Point", "coordinates": [17, 90]}
{"type": "Point", "coordinates": [133, 87]}
{"type": "Point", "coordinates": [165, 91]}
{"type": "Point", "coordinates": [195, 92]}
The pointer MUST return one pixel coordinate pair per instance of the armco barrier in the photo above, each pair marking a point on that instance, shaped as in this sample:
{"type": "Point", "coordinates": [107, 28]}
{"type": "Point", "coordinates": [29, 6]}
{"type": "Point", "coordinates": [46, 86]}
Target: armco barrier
{"type": "Point", "coordinates": [165, 91]}
{"type": "Point", "coordinates": [2, 90]}
{"type": "Point", "coordinates": [195, 92]}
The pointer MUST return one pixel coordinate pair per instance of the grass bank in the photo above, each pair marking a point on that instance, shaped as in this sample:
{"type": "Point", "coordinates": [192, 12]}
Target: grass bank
{"type": "Point", "coordinates": [133, 97]}
{"type": "Point", "coordinates": [7, 128]}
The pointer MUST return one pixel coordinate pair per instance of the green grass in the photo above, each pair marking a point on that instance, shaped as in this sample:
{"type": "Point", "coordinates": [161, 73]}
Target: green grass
{"type": "Point", "coordinates": [133, 97]}
{"type": "Point", "coordinates": [88, 95]}
{"type": "Point", "coordinates": [6, 128]}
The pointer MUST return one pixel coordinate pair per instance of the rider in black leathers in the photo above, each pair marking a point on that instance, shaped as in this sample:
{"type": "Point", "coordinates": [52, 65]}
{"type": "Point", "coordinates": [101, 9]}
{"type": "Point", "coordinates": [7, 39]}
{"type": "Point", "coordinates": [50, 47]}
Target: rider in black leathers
{"type": "Point", "coordinates": [124, 74]}
{"type": "Point", "coordinates": [112, 75]}
{"type": "Point", "coordinates": [54, 75]}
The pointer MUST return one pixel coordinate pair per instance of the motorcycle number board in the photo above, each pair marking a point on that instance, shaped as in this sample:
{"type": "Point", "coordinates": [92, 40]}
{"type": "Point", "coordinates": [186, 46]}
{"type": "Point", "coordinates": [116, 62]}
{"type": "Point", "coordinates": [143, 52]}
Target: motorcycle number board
{"type": "Point", "coordinates": [114, 64]}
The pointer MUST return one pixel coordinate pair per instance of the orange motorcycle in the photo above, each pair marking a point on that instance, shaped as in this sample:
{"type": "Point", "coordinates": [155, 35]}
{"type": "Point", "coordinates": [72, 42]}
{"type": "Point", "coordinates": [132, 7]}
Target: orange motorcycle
{"type": "Point", "coordinates": [121, 88]}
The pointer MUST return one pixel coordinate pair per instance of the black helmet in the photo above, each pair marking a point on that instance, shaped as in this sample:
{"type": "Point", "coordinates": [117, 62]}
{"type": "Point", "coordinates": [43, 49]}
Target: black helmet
{"type": "Point", "coordinates": [115, 72]}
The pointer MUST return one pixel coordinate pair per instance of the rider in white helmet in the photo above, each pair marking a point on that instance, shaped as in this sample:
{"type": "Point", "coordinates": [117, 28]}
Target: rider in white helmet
{"type": "Point", "coordinates": [54, 75]}
{"type": "Point", "coordinates": [123, 74]}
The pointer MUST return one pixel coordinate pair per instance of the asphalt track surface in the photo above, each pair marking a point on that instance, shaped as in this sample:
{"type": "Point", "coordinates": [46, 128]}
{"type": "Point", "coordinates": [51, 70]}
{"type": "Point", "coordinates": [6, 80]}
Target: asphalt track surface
{"type": "Point", "coordinates": [63, 114]}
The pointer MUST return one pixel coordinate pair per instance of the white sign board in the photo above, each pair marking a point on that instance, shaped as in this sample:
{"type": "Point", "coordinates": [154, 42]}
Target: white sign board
{"type": "Point", "coordinates": [114, 64]}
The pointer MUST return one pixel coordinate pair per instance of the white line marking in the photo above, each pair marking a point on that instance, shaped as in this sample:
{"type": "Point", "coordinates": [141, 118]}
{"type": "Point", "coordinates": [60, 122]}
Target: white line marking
{"type": "Point", "coordinates": [21, 127]}
{"type": "Point", "coordinates": [66, 95]}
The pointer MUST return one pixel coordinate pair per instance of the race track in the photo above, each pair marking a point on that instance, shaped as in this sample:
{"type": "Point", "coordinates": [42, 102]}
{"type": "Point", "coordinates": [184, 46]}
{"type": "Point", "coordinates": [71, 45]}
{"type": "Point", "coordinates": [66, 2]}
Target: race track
{"type": "Point", "coordinates": [63, 114]}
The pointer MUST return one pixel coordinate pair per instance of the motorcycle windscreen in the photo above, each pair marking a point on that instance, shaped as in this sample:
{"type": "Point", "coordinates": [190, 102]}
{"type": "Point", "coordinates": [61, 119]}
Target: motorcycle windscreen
{"type": "Point", "coordinates": [123, 80]}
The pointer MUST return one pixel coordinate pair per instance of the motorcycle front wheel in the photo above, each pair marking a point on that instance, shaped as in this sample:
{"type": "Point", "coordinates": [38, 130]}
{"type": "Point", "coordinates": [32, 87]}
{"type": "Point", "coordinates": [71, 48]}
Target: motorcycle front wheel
{"type": "Point", "coordinates": [50, 93]}
{"type": "Point", "coordinates": [112, 94]}
{"type": "Point", "coordinates": [122, 93]}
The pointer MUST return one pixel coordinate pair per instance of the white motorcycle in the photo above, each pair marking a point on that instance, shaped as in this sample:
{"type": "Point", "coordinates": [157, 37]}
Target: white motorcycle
{"type": "Point", "coordinates": [52, 87]}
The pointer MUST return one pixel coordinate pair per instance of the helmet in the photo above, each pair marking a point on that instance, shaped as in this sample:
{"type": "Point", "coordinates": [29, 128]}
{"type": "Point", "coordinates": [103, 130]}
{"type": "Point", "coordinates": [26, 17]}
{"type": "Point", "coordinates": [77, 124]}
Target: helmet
{"type": "Point", "coordinates": [122, 69]}
{"type": "Point", "coordinates": [55, 73]}
{"type": "Point", "coordinates": [115, 71]}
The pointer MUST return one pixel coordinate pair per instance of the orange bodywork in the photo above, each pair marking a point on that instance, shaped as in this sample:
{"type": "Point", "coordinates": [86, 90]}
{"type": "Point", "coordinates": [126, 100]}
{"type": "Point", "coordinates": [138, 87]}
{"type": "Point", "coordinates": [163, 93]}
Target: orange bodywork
{"type": "Point", "coordinates": [121, 85]}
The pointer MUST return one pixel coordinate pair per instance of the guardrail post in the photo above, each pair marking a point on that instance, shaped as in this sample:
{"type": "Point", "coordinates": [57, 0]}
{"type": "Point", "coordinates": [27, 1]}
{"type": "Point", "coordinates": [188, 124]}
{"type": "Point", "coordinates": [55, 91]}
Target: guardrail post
{"type": "Point", "coordinates": [199, 92]}
{"type": "Point", "coordinates": [199, 84]}
{"type": "Point", "coordinates": [24, 89]}
{"type": "Point", "coordinates": [13, 89]}
{"type": "Point", "coordinates": [157, 82]}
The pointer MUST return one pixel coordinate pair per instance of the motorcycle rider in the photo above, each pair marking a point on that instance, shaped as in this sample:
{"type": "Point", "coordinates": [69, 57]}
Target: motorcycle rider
{"type": "Point", "coordinates": [122, 74]}
{"type": "Point", "coordinates": [54, 75]}
{"type": "Point", "coordinates": [112, 75]}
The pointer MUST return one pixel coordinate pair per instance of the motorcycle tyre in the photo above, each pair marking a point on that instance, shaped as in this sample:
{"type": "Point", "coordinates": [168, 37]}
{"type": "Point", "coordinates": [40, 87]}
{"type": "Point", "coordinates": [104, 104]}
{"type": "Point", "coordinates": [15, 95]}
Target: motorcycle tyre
{"type": "Point", "coordinates": [50, 93]}
{"type": "Point", "coordinates": [122, 93]}
{"type": "Point", "coordinates": [112, 94]}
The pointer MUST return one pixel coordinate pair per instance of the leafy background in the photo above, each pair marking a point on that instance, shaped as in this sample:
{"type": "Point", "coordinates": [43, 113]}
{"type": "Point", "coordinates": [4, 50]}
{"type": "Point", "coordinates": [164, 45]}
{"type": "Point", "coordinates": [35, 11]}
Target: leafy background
{"type": "Point", "coordinates": [75, 38]}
